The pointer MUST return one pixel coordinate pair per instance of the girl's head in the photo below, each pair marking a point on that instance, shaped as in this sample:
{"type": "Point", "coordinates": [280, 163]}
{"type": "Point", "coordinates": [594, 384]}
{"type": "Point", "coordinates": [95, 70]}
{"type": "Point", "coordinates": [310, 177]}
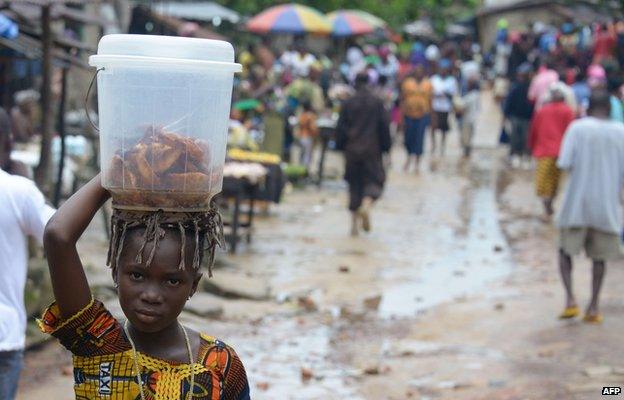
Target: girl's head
{"type": "Point", "coordinates": [155, 259]}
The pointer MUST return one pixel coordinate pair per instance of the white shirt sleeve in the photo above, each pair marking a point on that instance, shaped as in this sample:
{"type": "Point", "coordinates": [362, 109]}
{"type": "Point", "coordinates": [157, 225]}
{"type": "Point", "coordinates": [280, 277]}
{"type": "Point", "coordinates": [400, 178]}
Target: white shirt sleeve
{"type": "Point", "coordinates": [35, 212]}
{"type": "Point", "coordinates": [566, 155]}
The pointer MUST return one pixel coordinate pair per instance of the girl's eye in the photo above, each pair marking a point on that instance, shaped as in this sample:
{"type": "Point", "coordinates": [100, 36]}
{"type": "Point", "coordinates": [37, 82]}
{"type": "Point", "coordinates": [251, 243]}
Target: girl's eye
{"type": "Point", "coordinates": [136, 276]}
{"type": "Point", "coordinates": [174, 282]}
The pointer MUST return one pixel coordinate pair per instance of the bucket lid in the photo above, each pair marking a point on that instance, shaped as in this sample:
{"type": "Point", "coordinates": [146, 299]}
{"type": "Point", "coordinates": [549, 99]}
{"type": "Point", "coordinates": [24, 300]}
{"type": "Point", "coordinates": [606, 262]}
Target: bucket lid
{"type": "Point", "coordinates": [164, 48]}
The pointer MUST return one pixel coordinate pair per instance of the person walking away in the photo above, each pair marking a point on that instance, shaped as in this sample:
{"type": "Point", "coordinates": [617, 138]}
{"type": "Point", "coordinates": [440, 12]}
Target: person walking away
{"type": "Point", "coordinates": [519, 55]}
{"type": "Point", "coordinates": [308, 132]}
{"type": "Point", "coordinates": [519, 110]}
{"type": "Point", "coordinates": [547, 129]}
{"type": "Point", "coordinates": [363, 134]}
{"type": "Point", "coordinates": [23, 213]}
{"type": "Point", "coordinates": [546, 75]}
{"type": "Point", "coordinates": [591, 215]}
{"type": "Point", "coordinates": [566, 91]}
{"type": "Point", "coordinates": [444, 88]}
{"type": "Point", "coordinates": [470, 109]}
{"type": "Point", "coordinates": [416, 95]}
{"type": "Point", "coordinates": [604, 43]}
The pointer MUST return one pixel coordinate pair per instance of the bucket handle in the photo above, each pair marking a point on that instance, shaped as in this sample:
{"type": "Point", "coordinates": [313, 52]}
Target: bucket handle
{"type": "Point", "coordinates": [97, 129]}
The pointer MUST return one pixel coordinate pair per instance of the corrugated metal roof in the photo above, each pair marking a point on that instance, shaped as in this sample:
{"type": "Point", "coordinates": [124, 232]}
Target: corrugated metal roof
{"type": "Point", "coordinates": [31, 12]}
{"type": "Point", "coordinates": [32, 48]}
{"type": "Point", "coordinates": [197, 11]}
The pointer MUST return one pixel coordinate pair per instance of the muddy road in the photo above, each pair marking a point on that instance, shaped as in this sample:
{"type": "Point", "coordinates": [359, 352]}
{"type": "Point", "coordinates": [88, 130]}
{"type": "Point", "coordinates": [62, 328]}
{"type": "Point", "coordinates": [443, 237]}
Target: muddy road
{"type": "Point", "coordinates": [453, 295]}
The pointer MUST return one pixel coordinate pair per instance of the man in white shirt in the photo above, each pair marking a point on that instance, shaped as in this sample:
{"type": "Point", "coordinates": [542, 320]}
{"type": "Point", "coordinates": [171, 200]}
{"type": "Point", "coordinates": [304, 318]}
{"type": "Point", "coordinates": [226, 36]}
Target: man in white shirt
{"type": "Point", "coordinates": [301, 62]}
{"type": "Point", "coordinates": [591, 216]}
{"type": "Point", "coordinates": [444, 89]}
{"type": "Point", "coordinates": [23, 213]}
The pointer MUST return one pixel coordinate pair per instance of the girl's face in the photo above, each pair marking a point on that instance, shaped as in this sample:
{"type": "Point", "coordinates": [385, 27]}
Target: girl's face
{"type": "Point", "coordinates": [153, 297]}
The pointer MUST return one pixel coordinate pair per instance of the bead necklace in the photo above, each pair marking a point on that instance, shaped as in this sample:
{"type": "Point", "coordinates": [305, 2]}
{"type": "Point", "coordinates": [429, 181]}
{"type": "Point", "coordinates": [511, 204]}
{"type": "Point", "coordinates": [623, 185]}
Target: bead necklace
{"type": "Point", "coordinates": [135, 358]}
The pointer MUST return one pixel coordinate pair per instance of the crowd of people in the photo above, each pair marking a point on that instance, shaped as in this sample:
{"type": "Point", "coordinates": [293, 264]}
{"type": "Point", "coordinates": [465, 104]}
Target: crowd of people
{"type": "Point", "coordinates": [542, 77]}
{"type": "Point", "coordinates": [558, 88]}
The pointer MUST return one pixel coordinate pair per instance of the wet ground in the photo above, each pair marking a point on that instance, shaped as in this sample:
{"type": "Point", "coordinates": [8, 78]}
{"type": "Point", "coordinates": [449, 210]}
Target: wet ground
{"type": "Point", "coordinates": [454, 294]}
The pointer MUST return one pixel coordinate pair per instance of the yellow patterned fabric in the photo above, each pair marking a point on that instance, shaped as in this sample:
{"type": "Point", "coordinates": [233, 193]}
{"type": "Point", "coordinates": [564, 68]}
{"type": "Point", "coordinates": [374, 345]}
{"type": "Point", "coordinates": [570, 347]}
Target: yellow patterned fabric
{"type": "Point", "coordinates": [547, 177]}
{"type": "Point", "coordinates": [104, 365]}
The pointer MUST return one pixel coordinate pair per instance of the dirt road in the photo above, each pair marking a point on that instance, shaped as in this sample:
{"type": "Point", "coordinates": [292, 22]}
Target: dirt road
{"type": "Point", "coordinates": [454, 295]}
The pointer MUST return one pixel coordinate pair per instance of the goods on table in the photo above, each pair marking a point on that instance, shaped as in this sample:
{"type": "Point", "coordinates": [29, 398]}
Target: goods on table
{"type": "Point", "coordinates": [295, 172]}
{"type": "Point", "coordinates": [252, 172]}
{"type": "Point", "coordinates": [263, 158]}
{"type": "Point", "coordinates": [163, 170]}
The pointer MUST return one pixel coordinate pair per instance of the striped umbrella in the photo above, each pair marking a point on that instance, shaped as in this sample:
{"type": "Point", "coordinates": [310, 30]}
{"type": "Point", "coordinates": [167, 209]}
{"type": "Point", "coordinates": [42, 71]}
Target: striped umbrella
{"type": "Point", "coordinates": [354, 22]}
{"type": "Point", "coordinates": [289, 18]}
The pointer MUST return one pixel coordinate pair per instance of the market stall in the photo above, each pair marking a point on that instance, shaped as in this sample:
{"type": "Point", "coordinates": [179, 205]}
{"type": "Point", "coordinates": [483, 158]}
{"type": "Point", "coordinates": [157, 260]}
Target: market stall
{"type": "Point", "coordinates": [274, 181]}
{"type": "Point", "coordinates": [241, 184]}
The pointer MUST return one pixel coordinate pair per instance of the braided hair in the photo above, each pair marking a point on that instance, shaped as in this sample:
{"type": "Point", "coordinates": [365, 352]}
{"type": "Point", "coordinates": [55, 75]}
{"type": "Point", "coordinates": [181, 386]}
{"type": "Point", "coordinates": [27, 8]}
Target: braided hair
{"type": "Point", "coordinates": [205, 227]}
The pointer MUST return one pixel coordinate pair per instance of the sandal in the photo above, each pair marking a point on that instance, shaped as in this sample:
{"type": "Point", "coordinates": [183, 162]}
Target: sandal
{"type": "Point", "coordinates": [593, 318]}
{"type": "Point", "coordinates": [570, 312]}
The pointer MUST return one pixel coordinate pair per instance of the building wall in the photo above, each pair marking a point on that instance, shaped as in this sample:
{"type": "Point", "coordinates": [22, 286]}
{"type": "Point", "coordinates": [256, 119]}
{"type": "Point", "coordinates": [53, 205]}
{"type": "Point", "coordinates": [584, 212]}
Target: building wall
{"type": "Point", "coordinates": [518, 20]}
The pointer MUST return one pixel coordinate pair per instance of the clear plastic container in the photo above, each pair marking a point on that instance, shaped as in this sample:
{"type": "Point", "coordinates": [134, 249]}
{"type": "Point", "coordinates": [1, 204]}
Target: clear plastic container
{"type": "Point", "coordinates": [164, 105]}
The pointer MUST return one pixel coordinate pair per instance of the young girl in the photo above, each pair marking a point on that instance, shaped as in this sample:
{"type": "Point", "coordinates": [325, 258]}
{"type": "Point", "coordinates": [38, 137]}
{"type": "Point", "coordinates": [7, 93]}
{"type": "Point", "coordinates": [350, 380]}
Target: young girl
{"type": "Point", "coordinates": [155, 259]}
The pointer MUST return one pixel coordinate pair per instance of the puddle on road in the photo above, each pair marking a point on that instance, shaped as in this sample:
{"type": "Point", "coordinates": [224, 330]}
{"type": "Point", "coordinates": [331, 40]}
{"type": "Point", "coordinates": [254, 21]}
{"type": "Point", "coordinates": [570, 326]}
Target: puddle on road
{"type": "Point", "coordinates": [449, 257]}
{"type": "Point", "coordinates": [281, 348]}
{"type": "Point", "coordinates": [481, 256]}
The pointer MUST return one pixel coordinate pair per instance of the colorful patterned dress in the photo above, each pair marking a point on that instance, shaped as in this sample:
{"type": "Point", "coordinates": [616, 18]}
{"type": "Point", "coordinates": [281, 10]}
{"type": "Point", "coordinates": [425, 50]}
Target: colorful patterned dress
{"type": "Point", "coordinates": [104, 366]}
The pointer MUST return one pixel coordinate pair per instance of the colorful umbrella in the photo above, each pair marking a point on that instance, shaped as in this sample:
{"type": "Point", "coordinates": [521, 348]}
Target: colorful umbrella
{"type": "Point", "coordinates": [354, 22]}
{"type": "Point", "coordinates": [289, 18]}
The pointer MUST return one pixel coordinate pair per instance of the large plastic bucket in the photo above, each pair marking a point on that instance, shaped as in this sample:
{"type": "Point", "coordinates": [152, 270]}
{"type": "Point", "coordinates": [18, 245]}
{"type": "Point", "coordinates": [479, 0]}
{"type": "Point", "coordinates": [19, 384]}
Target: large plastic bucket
{"type": "Point", "coordinates": [164, 105]}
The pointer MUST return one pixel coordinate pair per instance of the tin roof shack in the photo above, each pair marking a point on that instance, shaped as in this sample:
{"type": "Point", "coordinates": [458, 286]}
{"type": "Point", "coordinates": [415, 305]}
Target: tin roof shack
{"type": "Point", "coordinates": [521, 14]}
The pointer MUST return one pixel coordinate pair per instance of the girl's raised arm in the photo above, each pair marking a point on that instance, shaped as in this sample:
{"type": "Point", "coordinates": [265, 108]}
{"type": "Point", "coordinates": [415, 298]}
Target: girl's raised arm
{"type": "Point", "coordinates": [71, 289]}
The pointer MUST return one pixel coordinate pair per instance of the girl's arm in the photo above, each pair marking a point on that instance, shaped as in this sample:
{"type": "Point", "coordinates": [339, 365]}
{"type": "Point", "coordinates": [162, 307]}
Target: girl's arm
{"type": "Point", "coordinates": [71, 289]}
